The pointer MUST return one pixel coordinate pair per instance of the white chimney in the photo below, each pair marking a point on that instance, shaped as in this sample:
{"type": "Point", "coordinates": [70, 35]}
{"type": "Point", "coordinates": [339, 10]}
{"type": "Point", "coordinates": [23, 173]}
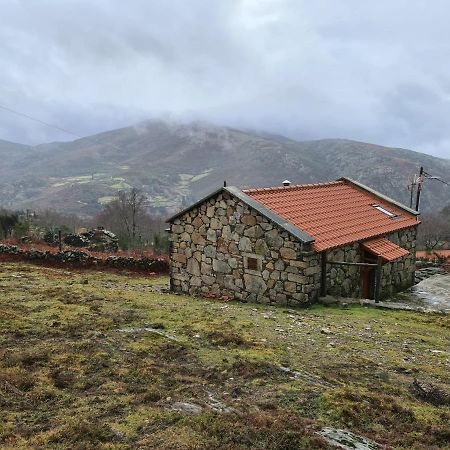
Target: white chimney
{"type": "Point", "coordinates": [286, 183]}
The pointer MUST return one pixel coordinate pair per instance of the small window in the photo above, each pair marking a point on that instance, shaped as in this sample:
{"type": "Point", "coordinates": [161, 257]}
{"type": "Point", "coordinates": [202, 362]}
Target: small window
{"type": "Point", "coordinates": [385, 211]}
{"type": "Point", "coordinates": [252, 263]}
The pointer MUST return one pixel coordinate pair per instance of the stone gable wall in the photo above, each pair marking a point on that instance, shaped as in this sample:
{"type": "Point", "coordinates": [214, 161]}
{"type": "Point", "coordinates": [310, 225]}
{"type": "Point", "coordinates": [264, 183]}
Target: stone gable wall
{"type": "Point", "coordinates": [212, 243]}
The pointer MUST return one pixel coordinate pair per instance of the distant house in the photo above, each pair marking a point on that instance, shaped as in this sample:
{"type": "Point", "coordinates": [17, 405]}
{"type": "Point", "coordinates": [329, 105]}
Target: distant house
{"type": "Point", "coordinates": [294, 243]}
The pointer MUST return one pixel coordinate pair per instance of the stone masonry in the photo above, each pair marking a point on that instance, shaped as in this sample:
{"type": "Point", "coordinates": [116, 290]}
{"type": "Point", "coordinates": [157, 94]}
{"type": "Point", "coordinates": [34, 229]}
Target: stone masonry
{"type": "Point", "coordinates": [345, 281]}
{"type": "Point", "coordinates": [224, 247]}
{"type": "Point", "coordinates": [212, 246]}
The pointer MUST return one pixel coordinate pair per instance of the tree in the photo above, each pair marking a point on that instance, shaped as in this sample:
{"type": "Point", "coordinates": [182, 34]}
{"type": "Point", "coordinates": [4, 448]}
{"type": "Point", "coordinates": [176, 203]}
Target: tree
{"type": "Point", "coordinates": [131, 206]}
{"type": "Point", "coordinates": [7, 222]}
{"type": "Point", "coordinates": [127, 217]}
{"type": "Point", "coordinates": [434, 230]}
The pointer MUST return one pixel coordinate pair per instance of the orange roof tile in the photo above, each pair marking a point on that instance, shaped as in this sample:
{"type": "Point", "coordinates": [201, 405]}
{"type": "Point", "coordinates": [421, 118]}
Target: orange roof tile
{"type": "Point", "coordinates": [385, 248]}
{"type": "Point", "coordinates": [335, 213]}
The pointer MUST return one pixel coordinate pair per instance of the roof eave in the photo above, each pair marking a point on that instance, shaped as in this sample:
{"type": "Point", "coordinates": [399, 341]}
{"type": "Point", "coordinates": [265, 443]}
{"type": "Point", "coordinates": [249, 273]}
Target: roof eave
{"type": "Point", "coordinates": [380, 195]}
{"type": "Point", "coordinates": [236, 192]}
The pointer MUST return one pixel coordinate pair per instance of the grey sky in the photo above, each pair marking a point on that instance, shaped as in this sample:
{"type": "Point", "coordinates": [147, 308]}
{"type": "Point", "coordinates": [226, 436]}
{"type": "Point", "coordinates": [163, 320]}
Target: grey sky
{"type": "Point", "coordinates": [375, 70]}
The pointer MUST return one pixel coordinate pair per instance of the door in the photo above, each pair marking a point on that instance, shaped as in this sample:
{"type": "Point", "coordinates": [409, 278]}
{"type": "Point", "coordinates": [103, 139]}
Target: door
{"type": "Point", "coordinates": [368, 282]}
{"type": "Point", "coordinates": [368, 277]}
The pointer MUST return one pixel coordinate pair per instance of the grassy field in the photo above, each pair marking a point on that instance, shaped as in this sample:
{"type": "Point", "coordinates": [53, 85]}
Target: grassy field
{"type": "Point", "coordinates": [100, 360]}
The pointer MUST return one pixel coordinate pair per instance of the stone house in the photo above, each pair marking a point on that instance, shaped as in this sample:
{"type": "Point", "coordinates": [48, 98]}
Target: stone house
{"type": "Point", "coordinates": [291, 244]}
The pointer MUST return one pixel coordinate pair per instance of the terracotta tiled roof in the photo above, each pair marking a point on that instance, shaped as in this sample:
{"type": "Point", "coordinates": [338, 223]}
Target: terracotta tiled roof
{"type": "Point", "coordinates": [434, 254]}
{"type": "Point", "coordinates": [335, 213]}
{"type": "Point", "coordinates": [385, 248]}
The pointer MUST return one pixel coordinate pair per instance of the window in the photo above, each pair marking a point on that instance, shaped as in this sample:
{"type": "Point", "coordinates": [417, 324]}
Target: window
{"type": "Point", "coordinates": [385, 211]}
{"type": "Point", "coordinates": [252, 263]}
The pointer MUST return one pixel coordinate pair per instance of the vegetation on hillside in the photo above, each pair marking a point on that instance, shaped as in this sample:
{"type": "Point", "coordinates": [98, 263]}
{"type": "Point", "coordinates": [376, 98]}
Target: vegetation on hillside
{"type": "Point", "coordinates": [176, 163]}
{"type": "Point", "coordinates": [126, 216]}
{"type": "Point", "coordinates": [97, 360]}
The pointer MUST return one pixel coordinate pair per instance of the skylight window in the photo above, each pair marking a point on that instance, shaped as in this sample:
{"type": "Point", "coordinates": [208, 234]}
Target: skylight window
{"type": "Point", "coordinates": [385, 211]}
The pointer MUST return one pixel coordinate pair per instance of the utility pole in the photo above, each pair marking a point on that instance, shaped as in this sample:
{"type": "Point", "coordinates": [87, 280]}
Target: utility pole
{"type": "Point", "coordinates": [419, 188]}
{"type": "Point", "coordinates": [411, 188]}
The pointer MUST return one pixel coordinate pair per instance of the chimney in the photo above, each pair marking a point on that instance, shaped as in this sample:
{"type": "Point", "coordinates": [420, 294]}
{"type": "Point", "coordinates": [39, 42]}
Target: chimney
{"type": "Point", "coordinates": [286, 183]}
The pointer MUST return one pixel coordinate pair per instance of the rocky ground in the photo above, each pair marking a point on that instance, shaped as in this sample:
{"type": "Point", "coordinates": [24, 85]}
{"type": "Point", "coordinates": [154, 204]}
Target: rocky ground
{"type": "Point", "coordinates": [101, 360]}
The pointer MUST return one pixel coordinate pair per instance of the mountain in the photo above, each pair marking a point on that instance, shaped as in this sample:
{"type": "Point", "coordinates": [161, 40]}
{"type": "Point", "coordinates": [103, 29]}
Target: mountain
{"type": "Point", "coordinates": [178, 163]}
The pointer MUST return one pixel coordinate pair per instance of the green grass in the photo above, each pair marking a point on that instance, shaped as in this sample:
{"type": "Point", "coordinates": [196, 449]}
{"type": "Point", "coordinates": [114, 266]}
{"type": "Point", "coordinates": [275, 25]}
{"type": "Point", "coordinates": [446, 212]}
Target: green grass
{"type": "Point", "coordinates": [77, 370]}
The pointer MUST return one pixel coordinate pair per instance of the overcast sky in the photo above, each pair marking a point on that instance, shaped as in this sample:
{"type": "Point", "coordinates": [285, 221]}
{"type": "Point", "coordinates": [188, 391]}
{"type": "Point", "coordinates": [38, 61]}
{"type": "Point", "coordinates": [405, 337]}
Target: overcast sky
{"type": "Point", "coordinates": [373, 70]}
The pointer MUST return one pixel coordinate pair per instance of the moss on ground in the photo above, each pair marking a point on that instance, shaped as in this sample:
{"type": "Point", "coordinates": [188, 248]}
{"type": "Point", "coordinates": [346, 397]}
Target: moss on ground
{"type": "Point", "coordinates": [98, 360]}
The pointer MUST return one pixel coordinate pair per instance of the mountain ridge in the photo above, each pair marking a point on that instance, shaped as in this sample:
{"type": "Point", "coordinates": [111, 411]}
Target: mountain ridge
{"type": "Point", "coordinates": [177, 163]}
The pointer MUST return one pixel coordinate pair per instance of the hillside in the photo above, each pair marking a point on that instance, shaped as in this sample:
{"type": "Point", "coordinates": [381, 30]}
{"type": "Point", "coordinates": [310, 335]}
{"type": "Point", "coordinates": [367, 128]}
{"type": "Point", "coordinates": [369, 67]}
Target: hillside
{"type": "Point", "coordinates": [98, 360]}
{"type": "Point", "coordinates": [178, 163]}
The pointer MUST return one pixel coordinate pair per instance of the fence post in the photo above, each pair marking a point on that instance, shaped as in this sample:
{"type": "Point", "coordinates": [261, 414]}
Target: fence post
{"type": "Point", "coordinates": [323, 277]}
{"type": "Point", "coordinates": [378, 279]}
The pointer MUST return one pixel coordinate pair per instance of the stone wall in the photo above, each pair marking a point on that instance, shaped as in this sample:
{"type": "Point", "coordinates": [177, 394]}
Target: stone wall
{"type": "Point", "coordinates": [225, 248]}
{"type": "Point", "coordinates": [399, 275]}
{"type": "Point", "coordinates": [212, 246]}
{"type": "Point", "coordinates": [345, 281]}
{"type": "Point", "coordinates": [78, 258]}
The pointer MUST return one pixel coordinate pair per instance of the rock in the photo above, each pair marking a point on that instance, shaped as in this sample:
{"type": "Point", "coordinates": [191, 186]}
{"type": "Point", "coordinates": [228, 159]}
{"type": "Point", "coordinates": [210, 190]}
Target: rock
{"type": "Point", "coordinates": [226, 232]}
{"type": "Point", "coordinates": [210, 251]}
{"type": "Point", "coordinates": [254, 284]}
{"type": "Point", "coordinates": [193, 267]}
{"type": "Point", "coordinates": [430, 393]}
{"type": "Point", "coordinates": [245, 245]}
{"type": "Point", "coordinates": [297, 278]}
{"type": "Point", "coordinates": [288, 253]}
{"type": "Point", "coordinates": [346, 440]}
{"type": "Point", "coordinates": [254, 232]}
{"type": "Point", "coordinates": [221, 266]}
{"type": "Point", "coordinates": [325, 330]}
{"type": "Point", "coordinates": [197, 222]}
{"type": "Point", "coordinates": [188, 408]}
{"type": "Point", "coordinates": [197, 239]}
{"type": "Point", "coordinates": [211, 235]}
{"type": "Point", "coordinates": [261, 248]}
{"type": "Point", "coordinates": [248, 219]}
{"type": "Point", "coordinates": [274, 239]}
{"type": "Point", "coordinates": [179, 257]}
{"type": "Point", "coordinates": [76, 240]}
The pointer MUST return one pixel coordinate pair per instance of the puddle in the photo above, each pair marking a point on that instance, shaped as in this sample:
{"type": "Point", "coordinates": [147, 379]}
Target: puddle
{"type": "Point", "coordinates": [432, 293]}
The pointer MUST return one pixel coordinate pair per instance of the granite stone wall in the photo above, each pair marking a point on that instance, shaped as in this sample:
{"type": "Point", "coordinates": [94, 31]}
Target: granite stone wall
{"type": "Point", "coordinates": [345, 281]}
{"type": "Point", "coordinates": [399, 275]}
{"type": "Point", "coordinates": [225, 248]}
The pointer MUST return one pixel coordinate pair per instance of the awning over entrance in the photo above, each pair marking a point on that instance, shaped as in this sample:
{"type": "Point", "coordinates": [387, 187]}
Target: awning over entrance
{"type": "Point", "coordinates": [385, 248]}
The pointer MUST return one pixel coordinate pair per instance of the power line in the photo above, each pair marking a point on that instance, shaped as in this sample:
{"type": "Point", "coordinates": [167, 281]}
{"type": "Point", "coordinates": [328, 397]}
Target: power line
{"type": "Point", "coordinates": [56, 127]}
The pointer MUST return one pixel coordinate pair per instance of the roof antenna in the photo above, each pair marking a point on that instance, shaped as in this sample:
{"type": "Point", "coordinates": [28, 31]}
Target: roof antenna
{"type": "Point", "coordinates": [224, 183]}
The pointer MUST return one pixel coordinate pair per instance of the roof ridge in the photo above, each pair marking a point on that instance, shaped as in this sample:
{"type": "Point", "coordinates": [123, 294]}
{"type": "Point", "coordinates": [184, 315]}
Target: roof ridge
{"type": "Point", "coordinates": [292, 187]}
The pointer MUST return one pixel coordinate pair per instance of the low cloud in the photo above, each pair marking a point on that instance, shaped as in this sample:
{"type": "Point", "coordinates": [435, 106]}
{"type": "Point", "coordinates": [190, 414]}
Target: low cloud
{"type": "Point", "coordinates": [371, 71]}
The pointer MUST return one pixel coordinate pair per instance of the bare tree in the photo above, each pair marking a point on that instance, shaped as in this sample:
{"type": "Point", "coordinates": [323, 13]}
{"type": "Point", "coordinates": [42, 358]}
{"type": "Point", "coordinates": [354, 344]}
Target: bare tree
{"type": "Point", "coordinates": [132, 206]}
{"type": "Point", "coordinates": [126, 216]}
{"type": "Point", "coordinates": [433, 231]}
